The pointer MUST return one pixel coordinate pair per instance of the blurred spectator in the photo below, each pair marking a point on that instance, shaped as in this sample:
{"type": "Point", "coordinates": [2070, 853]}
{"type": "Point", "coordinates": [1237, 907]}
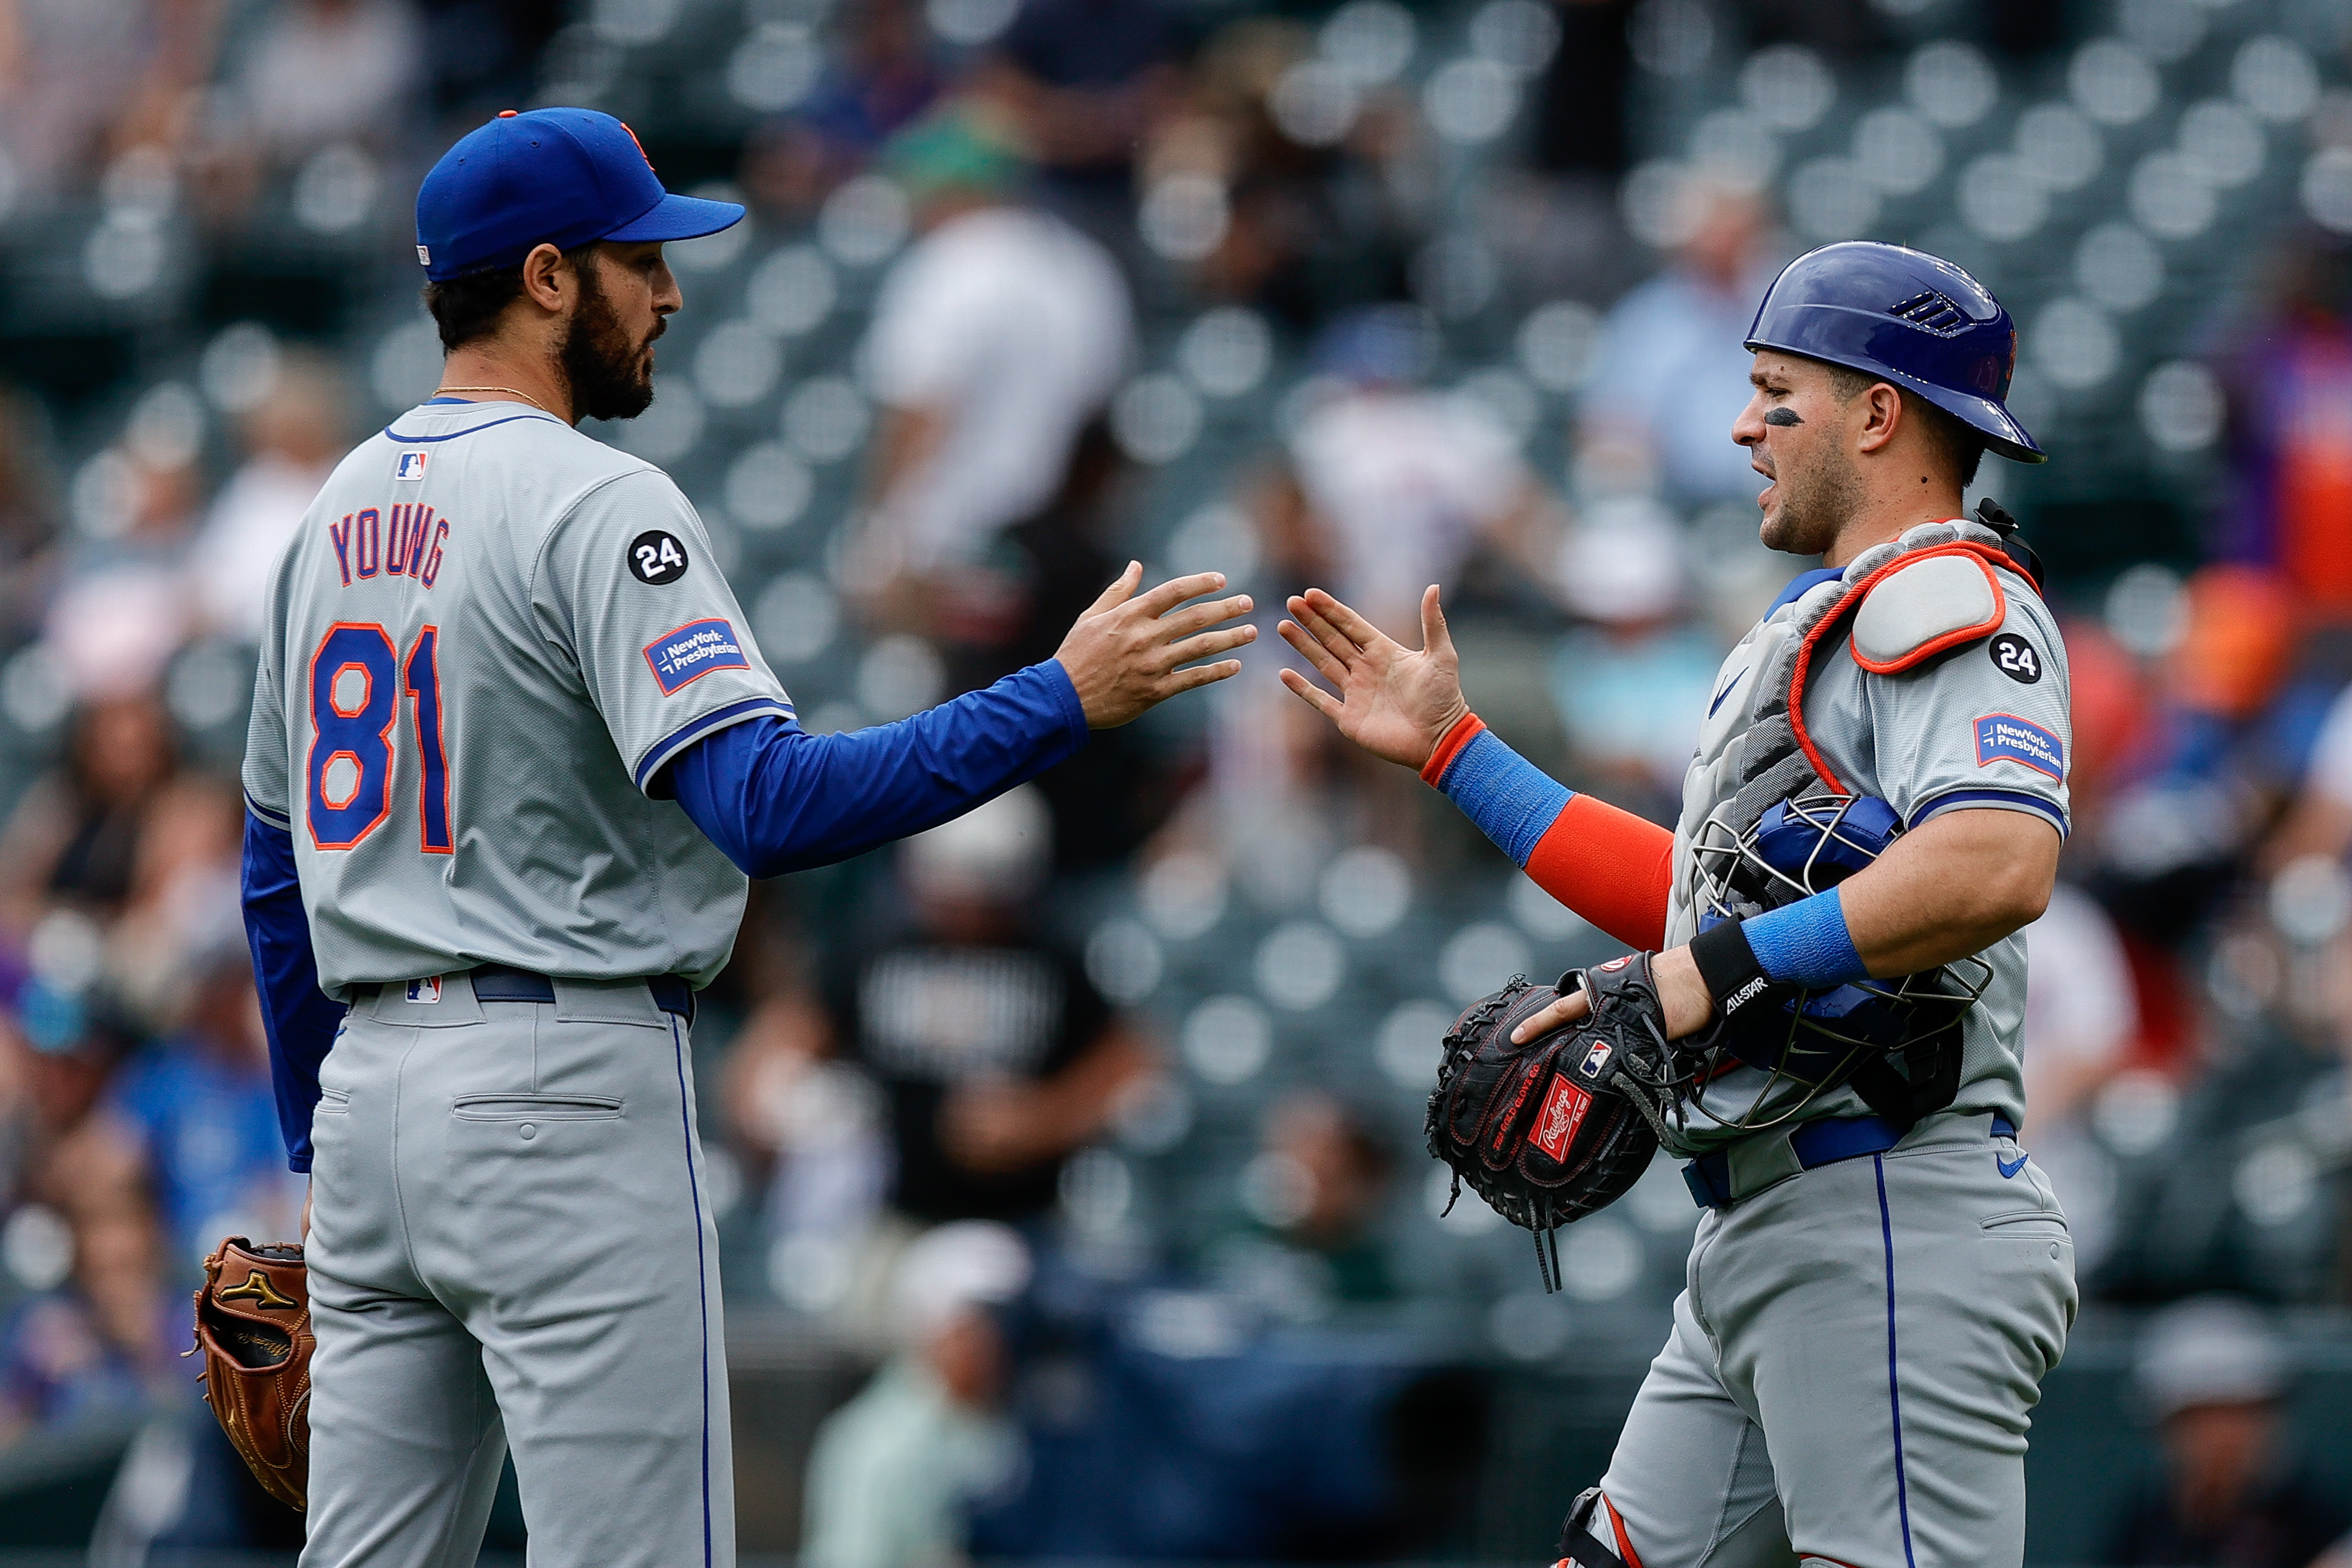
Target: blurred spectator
{"type": "Point", "coordinates": [58, 1368]}
{"type": "Point", "coordinates": [893, 1471]}
{"type": "Point", "coordinates": [123, 608]}
{"type": "Point", "coordinates": [819, 1126]}
{"type": "Point", "coordinates": [1085, 79]}
{"type": "Point", "coordinates": [30, 518]}
{"type": "Point", "coordinates": [199, 1104]}
{"type": "Point", "coordinates": [2290, 386]}
{"type": "Point", "coordinates": [2321, 819]}
{"type": "Point", "coordinates": [2220, 752]}
{"type": "Point", "coordinates": [2232, 1495]}
{"type": "Point", "coordinates": [83, 1223]}
{"type": "Point", "coordinates": [879, 75]}
{"type": "Point", "coordinates": [1670, 375]}
{"type": "Point", "coordinates": [998, 1056]}
{"type": "Point", "coordinates": [180, 900]}
{"type": "Point", "coordinates": [1582, 126]}
{"type": "Point", "coordinates": [483, 55]}
{"type": "Point", "coordinates": [1011, 606]}
{"type": "Point", "coordinates": [80, 77]}
{"type": "Point", "coordinates": [1632, 682]}
{"type": "Point", "coordinates": [2081, 1014]}
{"type": "Point", "coordinates": [1304, 232]}
{"type": "Point", "coordinates": [321, 72]}
{"type": "Point", "coordinates": [1390, 488]}
{"type": "Point", "coordinates": [1314, 1195]}
{"type": "Point", "coordinates": [293, 437]}
{"type": "Point", "coordinates": [995, 338]}
{"type": "Point", "coordinates": [75, 835]}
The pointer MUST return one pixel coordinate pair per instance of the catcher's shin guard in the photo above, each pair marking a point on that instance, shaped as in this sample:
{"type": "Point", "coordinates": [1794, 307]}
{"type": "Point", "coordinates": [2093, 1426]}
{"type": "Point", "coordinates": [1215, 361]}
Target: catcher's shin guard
{"type": "Point", "coordinates": [1579, 1547]}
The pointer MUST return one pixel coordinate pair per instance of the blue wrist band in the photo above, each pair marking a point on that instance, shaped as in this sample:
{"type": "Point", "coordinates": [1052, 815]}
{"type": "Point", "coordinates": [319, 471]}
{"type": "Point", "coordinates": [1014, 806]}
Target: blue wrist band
{"type": "Point", "coordinates": [1510, 799]}
{"type": "Point", "coordinates": [1807, 944]}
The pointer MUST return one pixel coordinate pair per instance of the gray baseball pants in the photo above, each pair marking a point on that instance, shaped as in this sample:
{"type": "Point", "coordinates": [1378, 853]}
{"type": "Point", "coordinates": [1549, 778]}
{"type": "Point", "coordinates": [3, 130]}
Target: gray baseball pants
{"type": "Point", "coordinates": [1852, 1368]}
{"type": "Point", "coordinates": [510, 1250]}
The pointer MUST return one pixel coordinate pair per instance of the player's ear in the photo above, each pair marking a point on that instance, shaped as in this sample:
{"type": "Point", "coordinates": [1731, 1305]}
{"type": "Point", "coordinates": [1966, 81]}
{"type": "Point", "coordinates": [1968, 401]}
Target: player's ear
{"type": "Point", "coordinates": [1881, 411]}
{"type": "Point", "coordinates": [547, 277]}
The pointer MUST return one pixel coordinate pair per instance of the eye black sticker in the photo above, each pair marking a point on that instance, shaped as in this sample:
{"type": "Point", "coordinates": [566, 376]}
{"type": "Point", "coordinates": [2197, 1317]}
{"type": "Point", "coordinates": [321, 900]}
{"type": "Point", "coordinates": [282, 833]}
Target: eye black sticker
{"type": "Point", "coordinates": [2015, 657]}
{"type": "Point", "coordinates": [657, 557]}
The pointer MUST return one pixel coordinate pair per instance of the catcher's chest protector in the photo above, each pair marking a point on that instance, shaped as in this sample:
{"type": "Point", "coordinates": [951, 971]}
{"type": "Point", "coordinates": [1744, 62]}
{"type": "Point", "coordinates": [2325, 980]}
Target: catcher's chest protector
{"type": "Point", "coordinates": [1937, 586]}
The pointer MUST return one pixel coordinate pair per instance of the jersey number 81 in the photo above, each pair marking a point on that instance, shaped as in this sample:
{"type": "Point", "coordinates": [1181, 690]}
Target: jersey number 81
{"type": "Point", "coordinates": [354, 706]}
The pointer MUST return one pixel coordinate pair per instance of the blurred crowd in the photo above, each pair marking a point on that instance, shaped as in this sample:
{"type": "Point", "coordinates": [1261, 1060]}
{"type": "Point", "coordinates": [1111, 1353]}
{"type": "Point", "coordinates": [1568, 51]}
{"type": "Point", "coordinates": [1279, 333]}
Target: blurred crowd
{"type": "Point", "coordinates": [966, 1093]}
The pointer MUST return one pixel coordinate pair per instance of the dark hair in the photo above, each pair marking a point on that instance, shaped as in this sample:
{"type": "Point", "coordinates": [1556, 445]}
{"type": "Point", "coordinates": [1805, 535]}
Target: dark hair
{"type": "Point", "coordinates": [1960, 448]}
{"type": "Point", "coordinates": [468, 308]}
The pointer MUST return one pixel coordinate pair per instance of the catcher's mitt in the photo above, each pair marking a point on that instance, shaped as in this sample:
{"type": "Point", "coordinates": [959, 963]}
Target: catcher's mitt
{"type": "Point", "coordinates": [253, 1325]}
{"type": "Point", "coordinates": [1556, 1129]}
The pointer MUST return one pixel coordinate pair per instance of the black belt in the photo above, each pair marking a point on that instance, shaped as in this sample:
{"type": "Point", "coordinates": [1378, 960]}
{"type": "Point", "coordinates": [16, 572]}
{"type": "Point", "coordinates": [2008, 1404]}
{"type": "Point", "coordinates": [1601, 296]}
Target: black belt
{"type": "Point", "coordinates": [500, 983]}
{"type": "Point", "coordinates": [1822, 1143]}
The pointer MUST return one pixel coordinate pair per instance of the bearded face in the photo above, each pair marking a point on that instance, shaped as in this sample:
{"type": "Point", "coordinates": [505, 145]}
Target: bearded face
{"type": "Point", "coordinates": [610, 364]}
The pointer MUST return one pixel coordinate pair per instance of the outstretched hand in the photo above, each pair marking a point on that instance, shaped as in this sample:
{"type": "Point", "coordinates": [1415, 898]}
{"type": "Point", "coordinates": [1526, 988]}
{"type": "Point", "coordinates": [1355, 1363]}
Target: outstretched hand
{"type": "Point", "coordinates": [1394, 702]}
{"type": "Point", "coordinates": [1122, 653]}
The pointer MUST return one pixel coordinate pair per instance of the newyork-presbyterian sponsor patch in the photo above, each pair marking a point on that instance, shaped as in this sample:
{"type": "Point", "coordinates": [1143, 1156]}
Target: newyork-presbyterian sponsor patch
{"type": "Point", "coordinates": [692, 652]}
{"type": "Point", "coordinates": [1564, 1106]}
{"type": "Point", "coordinates": [2005, 737]}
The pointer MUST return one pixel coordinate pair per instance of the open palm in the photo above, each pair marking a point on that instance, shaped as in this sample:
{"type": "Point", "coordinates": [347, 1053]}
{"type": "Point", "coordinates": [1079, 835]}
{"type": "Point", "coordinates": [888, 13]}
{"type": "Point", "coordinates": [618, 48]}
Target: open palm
{"type": "Point", "coordinates": [1394, 702]}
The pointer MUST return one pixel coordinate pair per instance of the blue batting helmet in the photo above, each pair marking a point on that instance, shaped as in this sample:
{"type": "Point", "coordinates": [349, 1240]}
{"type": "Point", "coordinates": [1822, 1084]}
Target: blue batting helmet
{"type": "Point", "coordinates": [1915, 319]}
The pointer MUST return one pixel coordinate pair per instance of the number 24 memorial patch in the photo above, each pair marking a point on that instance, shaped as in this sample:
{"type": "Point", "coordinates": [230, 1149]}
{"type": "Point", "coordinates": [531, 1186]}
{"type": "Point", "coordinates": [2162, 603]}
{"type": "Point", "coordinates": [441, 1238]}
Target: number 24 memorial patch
{"type": "Point", "coordinates": [692, 652]}
{"type": "Point", "coordinates": [2004, 737]}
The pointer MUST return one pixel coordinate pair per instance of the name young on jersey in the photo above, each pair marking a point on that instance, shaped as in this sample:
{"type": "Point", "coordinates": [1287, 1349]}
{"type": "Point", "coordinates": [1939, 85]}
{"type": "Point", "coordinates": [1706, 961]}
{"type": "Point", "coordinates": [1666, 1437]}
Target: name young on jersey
{"type": "Point", "coordinates": [394, 541]}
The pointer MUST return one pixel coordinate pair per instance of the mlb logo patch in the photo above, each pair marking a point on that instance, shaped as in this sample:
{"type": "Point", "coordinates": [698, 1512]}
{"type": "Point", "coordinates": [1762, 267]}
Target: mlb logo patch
{"type": "Point", "coordinates": [1596, 1059]}
{"type": "Point", "coordinates": [2005, 737]}
{"type": "Point", "coordinates": [411, 466]}
{"type": "Point", "coordinates": [1562, 1114]}
{"type": "Point", "coordinates": [425, 991]}
{"type": "Point", "coordinates": [681, 657]}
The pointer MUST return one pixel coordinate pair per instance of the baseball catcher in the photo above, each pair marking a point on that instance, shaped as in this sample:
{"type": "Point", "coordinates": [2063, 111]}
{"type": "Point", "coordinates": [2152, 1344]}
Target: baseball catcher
{"type": "Point", "coordinates": [1822, 1015]}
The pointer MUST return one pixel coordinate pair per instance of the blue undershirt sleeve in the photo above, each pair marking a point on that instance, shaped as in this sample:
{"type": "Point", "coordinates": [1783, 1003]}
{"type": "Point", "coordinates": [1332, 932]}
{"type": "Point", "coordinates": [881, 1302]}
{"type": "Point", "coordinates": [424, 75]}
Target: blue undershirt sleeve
{"type": "Point", "coordinates": [300, 1019]}
{"type": "Point", "coordinates": [776, 799]}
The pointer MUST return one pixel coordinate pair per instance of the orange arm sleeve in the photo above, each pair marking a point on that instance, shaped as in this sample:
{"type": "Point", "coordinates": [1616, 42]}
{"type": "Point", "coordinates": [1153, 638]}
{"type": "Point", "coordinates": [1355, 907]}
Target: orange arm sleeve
{"type": "Point", "coordinates": [1610, 866]}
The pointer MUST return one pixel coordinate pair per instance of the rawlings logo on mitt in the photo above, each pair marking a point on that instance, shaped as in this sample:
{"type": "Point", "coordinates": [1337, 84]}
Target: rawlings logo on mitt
{"type": "Point", "coordinates": [1558, 1128]}
{"type": "Point", "coordinates": [253, 1325]}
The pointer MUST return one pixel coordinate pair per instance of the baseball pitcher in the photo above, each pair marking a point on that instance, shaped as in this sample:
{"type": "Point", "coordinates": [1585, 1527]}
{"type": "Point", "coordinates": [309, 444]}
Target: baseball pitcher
{"type": "Point", "coordinates": [1822, 1017]}
{"type": "Point", "coordinates": [513, 754]}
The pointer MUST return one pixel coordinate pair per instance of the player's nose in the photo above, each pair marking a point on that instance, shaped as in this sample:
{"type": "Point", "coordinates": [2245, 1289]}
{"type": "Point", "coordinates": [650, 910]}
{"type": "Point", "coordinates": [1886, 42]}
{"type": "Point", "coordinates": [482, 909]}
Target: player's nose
{"type": "Point", "coordinates": [1748, 430]}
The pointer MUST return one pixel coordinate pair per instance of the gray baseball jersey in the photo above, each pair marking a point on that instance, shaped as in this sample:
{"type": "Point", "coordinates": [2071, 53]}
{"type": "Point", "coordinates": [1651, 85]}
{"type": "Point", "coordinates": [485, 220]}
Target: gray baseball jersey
{"type": "Point", "coordinates": [1981, 726]}
{"type": "Point", "coordinates": [487, 638]}
{"type": "Point", "coordinates": [1859, 1346]}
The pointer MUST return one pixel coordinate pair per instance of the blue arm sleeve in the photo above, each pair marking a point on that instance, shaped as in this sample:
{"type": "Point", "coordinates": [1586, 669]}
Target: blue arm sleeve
{"type": "Point", "coordinates": [300, 1019]}
{"type": "Point", "coordinates": [776, 798]}
{"type": "Point", "coordinates": [1513, 801]}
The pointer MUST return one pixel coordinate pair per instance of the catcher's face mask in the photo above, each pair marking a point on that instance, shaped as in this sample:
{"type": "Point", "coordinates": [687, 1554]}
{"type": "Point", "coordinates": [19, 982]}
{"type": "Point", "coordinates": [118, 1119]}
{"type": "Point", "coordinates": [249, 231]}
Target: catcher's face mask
{"type": "Point", "coordinates": [1810, 1041]}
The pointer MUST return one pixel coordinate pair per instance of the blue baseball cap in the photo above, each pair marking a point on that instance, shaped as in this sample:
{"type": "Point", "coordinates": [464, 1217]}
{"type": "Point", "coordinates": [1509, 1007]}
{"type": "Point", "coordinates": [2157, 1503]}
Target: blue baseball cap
{"type": "Point", "coordinates": [553, 176]}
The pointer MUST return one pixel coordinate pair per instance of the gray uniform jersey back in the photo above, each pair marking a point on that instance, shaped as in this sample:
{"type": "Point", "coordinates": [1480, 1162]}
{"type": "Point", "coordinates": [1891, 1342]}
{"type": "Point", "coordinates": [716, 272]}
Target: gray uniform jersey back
{"type": "Point", "coordinates": [487, 638]}
{"type": "Point", "coordinates": [1983, 727]}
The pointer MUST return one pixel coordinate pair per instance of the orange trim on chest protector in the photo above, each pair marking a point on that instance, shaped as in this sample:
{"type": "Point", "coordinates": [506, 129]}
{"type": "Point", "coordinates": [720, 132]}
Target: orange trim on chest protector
{"type": "Point", "coordinates": [1983, 554]}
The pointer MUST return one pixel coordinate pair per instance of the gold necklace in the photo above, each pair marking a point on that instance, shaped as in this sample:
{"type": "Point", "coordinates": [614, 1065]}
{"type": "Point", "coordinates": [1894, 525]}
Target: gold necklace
{"type": "Point", "coordinates": [509, 391]}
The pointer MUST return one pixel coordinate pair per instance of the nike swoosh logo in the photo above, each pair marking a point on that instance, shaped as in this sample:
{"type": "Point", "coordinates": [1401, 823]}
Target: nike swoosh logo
{"type": "Point", "coordinates": [2009, 1167]}
{"type": "Point", "coordinates": [1726, 691]}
